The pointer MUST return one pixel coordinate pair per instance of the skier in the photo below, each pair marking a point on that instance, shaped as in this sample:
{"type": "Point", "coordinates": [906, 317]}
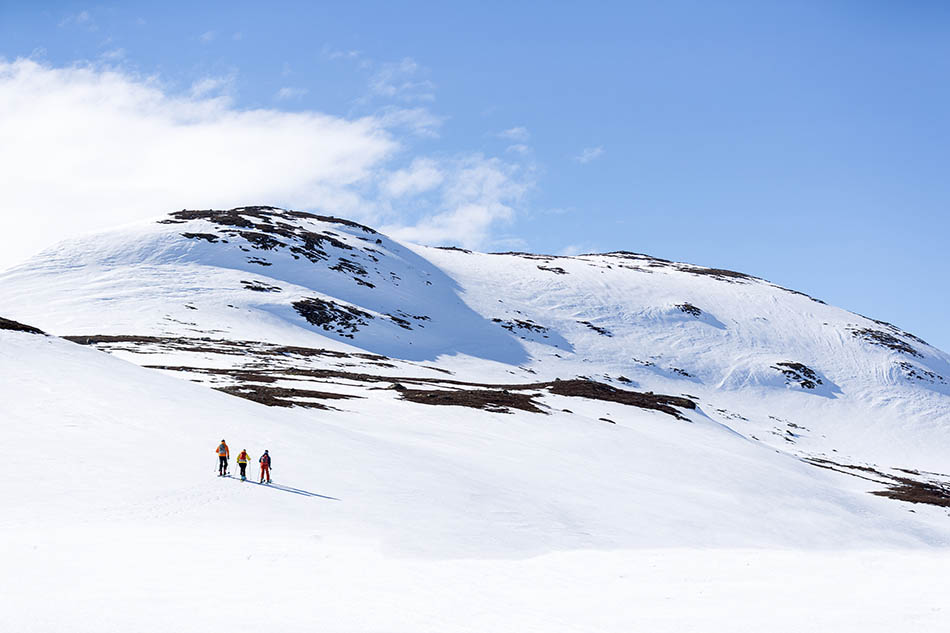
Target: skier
{"type": "Point", "coordinates": [265, 466]}
{"type": "Point", "coordinates": [242, 460]}
{"type": "Point", "coordinates": [223, 455]}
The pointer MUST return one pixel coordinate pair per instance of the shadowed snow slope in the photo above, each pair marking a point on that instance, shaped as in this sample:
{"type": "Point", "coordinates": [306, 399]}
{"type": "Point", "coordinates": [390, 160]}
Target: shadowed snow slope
{"type": "Point", "coordinates": [330, 321]}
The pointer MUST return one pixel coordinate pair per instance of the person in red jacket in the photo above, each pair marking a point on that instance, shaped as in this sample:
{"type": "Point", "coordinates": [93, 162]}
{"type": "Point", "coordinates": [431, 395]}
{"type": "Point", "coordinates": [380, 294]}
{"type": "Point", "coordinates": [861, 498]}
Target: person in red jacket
{"type": "Point", "coordinates": [265, 466]}
{"type": "Point", "coordinates": [223, 455]}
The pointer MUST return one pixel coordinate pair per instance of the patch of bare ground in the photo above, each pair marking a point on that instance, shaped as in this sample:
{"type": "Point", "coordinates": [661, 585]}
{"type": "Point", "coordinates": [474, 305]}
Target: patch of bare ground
{"type": "Point", "coordinates": [806, 377]}
{"type": "Point", "coordinates": [885, 339]}
{"type": "Point", "coordinates": [259, 286]}
{"type": "Point", "coordinates": [577, 388]}
{"type": "Point", "coordinates": [900, 488]}
{"type": "Point", "coordinates": [599, 391]}
{"type": "Point", "coordinates": [896, 330]}
{"type": "Point", "coordinates": [599, 330]}
{"type": "Point", "coordinates": [269, 229]}
{"type": "Point", "coordinates": [487, 396]}
{"type": "Point", "coordinates": [689, 308]}
{"type": "Point", "coordinates": [917, 492]}
{"type": "Point", "coordinates": [630, 255]}
{"type": "Point", "coordinates": [919, 373]}
{"type": "Point", "coordinates": [133, 343]}
{"type": "Point", "coordinates": [801, 294]}
{"type": "Point", "coordinates": [539, 256]}
{"type": "Point", "coordinates": [283, 396]}
{"type": "Point", "coordinates": [519, 324]}
{"type": "Point", "coordinates": [717, 273]}
{"type": "Point", "coordinates": [254, 380]}
{"type": "Point", "coordinates": [240, 217]}
{"type": "Point", "coordinates": [16, 326]}
{"type": "Point", "coordinates": [494, 400]}
{"type": "Point", "coordinates": [332, 316]}
{"type": "Point", "coordinates": [210, 237]}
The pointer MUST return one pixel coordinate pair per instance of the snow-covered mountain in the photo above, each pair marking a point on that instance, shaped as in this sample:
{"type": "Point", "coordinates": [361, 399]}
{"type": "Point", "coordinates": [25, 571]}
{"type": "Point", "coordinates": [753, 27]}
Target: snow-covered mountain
{"type": "Point", "coordinates": [432, 404]}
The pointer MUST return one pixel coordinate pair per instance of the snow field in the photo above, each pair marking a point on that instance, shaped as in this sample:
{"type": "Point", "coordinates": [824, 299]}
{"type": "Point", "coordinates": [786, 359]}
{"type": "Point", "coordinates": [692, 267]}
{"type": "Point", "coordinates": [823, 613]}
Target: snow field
{"type": "Point", "coordinates": [394, 516]}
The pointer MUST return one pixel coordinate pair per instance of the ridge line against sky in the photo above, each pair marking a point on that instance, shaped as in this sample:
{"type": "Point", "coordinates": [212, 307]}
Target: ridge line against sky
{"type": "Point", "coordinates": [805, 145]}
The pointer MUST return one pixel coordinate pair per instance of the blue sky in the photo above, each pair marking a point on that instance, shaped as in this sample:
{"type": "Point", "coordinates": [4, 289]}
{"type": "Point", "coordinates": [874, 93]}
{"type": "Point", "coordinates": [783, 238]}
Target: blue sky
{"type": "Point", "coordinates": [803, 142]}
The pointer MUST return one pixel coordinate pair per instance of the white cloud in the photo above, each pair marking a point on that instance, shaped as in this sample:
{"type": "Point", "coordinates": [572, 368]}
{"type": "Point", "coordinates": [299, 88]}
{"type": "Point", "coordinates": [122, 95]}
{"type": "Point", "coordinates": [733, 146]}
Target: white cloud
{"type": "Point", "coordinates": [83, 19]}
{"type": "Point", "coordinates": [288, 92]}
{"type": "Point", "coordinates": [207, 36]}
{"type": "Point", "coordinates": [418, 121]}
{"type": "Point", "coordinates": [478, 193]}
{"type": "Point", "coordinates": [89, 147]}
{"type": "Point", "coordinates": [208, 86]}
{"type": "Point", "coordinates": [397, 80]}
{"type": "Point", "coordinates": [519, 134]}
{"type": "Point", "coordinates": [518, 148]}
{"type": "Point", "coordinates": [590, 154]}
{"type": "Point", "coordinates": [328, 52]}
{"type": "Point", "coordinates": [421, 176]}
{"type": "Point", "coordinates": [113, 55]}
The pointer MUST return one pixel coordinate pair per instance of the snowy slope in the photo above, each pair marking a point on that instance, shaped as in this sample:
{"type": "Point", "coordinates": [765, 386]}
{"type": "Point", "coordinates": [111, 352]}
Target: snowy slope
{"type": "Point", "coordinates": [110, 499]}
{"type": "Point", "coordinates": [770, 363]}
{"type": "Point", "coordinates": [459, 511]}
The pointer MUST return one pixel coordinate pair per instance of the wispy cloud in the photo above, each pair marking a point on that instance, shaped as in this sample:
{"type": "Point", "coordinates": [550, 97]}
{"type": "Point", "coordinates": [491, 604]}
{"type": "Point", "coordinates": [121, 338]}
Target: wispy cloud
{"type": "Point", "coordinates": [207, 36]}
{"type": "Point", "coordinates": [590, 154]}
{"type": "Point", "coordinates": [519, 134]}
{"type": "Point", "coordinates": [357, 57]}
{"type": "Point", "coordinates": [330, 53]}
{"type": "Point", "coordinates": [212, 86]}
{"type": "Point", "coordinates": [424, 174]}
{"type": "Point", "coordinates": [399, 80]}
{"type": "Point", "coordinates": [418, 121]}
{"type": "Point", "coordinates": [83, 20]}
{"type": "Point", "coordinates": [477, 194]}
{"type": "Point", "coordinates": [113, 55]}
{"type": "Point", "coordinates": [287, 93]}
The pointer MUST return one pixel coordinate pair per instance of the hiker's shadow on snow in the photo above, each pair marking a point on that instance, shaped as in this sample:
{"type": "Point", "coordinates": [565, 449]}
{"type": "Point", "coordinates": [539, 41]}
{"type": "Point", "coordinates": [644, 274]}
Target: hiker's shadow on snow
{"type": "Point", "coordinates": [296, 491]}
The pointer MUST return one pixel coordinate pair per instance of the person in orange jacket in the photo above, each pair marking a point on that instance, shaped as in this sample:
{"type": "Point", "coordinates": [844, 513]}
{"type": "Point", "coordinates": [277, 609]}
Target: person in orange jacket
{"type": "Point", "coordinates": [242, 459]}
{"type": "Point", "coordinates": [265, 466]}
{"type": "Point", "coordinates": [223, 455]}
